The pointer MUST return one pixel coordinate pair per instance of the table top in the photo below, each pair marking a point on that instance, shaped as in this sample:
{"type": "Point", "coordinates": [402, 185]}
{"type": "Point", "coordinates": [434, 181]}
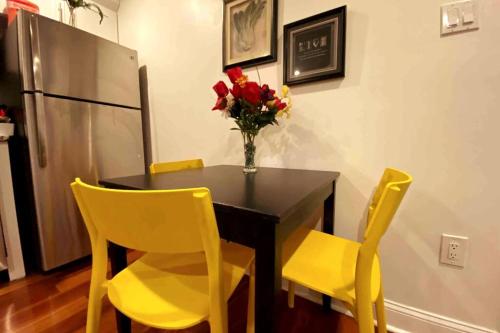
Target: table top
{"type": "Point", "coordinates": [274, 192]}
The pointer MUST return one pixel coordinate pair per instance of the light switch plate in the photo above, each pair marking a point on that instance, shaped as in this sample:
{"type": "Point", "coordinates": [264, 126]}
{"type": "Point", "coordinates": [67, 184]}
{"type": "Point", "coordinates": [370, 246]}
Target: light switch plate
{"type": "Point", "coordinates": [453, 17]}
{"type": "Point", "coordinates": [459, 16]}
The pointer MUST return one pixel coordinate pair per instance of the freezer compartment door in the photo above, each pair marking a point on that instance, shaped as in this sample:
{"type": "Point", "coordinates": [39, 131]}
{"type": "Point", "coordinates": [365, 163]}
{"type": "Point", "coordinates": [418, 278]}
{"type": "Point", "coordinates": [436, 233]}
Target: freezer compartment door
{"type": "Point", "coordinates": [73, 63]}
{"type": "Point", "coordinates": [75, 139]}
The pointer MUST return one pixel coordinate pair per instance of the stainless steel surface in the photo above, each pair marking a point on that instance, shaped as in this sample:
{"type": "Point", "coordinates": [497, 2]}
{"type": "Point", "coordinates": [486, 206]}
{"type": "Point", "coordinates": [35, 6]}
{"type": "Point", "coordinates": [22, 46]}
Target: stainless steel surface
{"type": "Point", "coordinates": [117, 137]}
{"type": "Point", "coordinates": [35, 54]}
{"type": "Point", "coordinates": [80, 65]}
{"type": "Point", "coordinates": [24, 49]}
{"type": "Point", "coordinates": [146, 119]}
{"type": "Point", "coordinates": [61, 232]}
{"type": "Point", "coordinates": [3, 251]}
{"type": "Point", "coordinates": [41, 130]}
{"type": "Point", "coordinates": [78, 103]}
{"type": "Point", "coordinates": [37, 72]}
{"type": "Point", "coordinates": [85, 140]}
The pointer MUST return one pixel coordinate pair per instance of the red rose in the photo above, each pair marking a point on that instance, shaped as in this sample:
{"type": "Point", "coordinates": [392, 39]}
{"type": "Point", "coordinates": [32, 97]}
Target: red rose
{"type": "Point", "coordinates": [251, 93]}
{"type": "Point", "coordinates": [279, 105]}
{"type": "Point", "coordinates": [236, 91]}
{"type": "Point", "coordinates": [221, 89]}
{"type": "Point", "coordinates": [220, 104]}
{"type": "Point", "coordinates": [234, 74]}
{"type": "Point", "coordinates": [3, 113]}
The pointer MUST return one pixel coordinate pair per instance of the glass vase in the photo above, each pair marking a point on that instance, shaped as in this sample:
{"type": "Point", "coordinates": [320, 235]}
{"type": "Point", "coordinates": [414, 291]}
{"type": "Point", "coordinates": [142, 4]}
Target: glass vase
{"type": "Point", "coordinates": [249, 147]}
{"type": "Point", "coordinates": [72, 17]}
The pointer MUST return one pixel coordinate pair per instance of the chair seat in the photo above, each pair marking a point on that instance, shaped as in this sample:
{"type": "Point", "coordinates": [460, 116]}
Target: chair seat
{"type": "Point", "coordinates": [325, 263]}
{"type": "Point", "coordinates": [171, 291]}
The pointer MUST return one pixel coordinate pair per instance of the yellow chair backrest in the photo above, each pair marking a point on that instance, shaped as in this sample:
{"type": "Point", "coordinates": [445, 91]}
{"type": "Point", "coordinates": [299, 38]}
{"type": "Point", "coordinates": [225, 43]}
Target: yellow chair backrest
{"type": "Point", "coordinates": [176, 221]}
{"type": "Point", "coordinates": [386, 200]}
{"type": "Point", "coordinates": [175, 166]}
{"type": "Point", "coordinates": [171, 221]}
{"type": "Point", "coordinates": [391, 178]}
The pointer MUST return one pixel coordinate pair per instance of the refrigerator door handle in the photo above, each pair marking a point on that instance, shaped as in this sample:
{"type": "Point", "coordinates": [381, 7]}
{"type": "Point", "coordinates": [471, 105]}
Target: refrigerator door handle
{"type": "Point", "coordinates": [41, 133]}
{"type": "Point", "coordinates": [36, 54]}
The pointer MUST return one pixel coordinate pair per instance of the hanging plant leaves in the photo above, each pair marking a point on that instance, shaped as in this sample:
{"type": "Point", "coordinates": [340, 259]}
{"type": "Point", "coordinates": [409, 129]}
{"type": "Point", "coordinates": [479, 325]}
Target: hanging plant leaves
{"type": "Point", "coordinates": [74, 4]}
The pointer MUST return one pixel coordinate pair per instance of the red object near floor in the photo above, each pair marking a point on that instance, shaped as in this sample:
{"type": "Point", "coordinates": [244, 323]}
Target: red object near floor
{"type": "Point", "coordinates": [14, 5]}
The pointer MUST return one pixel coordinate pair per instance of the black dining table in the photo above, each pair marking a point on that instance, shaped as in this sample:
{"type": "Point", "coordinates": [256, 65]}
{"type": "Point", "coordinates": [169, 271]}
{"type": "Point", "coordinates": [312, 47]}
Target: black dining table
{"type": "Point", "coordinates": [257, 210]}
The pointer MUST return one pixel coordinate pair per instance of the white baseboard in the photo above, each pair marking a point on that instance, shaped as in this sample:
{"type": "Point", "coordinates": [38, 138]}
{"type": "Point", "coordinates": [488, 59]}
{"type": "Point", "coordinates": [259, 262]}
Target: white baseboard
{"type": "Point", "coordinates": [417, 320]}
{"type": "Point", "coordinates": [406, 319]}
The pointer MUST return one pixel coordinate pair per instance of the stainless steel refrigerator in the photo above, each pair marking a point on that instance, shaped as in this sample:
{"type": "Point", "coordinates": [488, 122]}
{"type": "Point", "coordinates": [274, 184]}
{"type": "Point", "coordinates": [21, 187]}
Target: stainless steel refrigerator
{"type": "Point", "coordinates": [77, 110]}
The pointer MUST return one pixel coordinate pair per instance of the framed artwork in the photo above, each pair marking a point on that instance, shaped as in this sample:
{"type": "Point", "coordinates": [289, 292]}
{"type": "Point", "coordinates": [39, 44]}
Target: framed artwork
{"type": "Point", "coordinates": [314, 48]}
{"type": "Point", "coordinates": [249, 32]}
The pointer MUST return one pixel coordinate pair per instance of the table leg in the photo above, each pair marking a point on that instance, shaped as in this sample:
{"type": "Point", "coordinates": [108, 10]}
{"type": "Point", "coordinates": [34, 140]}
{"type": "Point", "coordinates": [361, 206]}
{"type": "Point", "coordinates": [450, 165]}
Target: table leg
{"type": "Point", "coordinates": [328, 226]}
{"type": "Point", "coordinates": [118, 257]}
{"type": "Point", "coordinates": [267, 279]}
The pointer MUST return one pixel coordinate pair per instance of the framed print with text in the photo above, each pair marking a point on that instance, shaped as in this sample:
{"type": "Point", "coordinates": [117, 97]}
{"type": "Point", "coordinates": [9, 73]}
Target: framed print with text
{"type": "Point", "coordinates": [314, 48]}
{"type": "Point", "coordinates": [249, 32]}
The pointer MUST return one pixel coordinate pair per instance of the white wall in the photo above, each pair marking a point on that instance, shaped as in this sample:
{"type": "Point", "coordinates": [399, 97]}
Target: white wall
{"type": "Point", "coordinates": [86, 20]}
{"type": "Point", "coordinates": [410, 99]}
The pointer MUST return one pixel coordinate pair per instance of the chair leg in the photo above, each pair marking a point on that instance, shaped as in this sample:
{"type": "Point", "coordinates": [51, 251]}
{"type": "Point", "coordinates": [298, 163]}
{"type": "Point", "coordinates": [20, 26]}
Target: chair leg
{"type": "Point", "coordinates": [218, 319]}
{"type": "Point", "coordinates": [380, 309]}
{"type": "Point", "coordinates": [364, 311]}
{"type": "Point", "coordinates": [98, 285]}
{"type": "Point", "coordinates": [251, 301]}
{"type": "Point", "coordinates": [94, 309]}
{"type": "Point", "coordinates": [291, 294]}
{"type": "Point", "coordinates": [217, 326]}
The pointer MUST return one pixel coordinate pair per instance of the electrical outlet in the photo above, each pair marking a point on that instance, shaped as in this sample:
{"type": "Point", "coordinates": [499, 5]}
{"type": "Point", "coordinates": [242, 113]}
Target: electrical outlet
{"type": "Point", "coordinates": [453, 250]}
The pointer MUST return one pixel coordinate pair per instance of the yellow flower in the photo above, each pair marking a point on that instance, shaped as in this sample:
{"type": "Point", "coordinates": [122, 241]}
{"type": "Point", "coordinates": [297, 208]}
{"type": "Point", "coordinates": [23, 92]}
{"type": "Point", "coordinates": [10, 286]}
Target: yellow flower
{"type": "Point", "coordinates": [284, 91]}
{"type": "Point", "coordinates": [242, 81]}
{"type": "Point", "coordinates": [288, 100]}
{"type": "Point", "coordinates": [285, 99]}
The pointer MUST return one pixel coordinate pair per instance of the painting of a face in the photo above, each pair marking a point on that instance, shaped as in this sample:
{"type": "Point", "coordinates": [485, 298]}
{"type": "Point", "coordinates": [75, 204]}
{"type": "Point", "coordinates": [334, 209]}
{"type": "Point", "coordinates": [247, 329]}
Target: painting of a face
{"type": "Point", "coordinates": [247, 30]}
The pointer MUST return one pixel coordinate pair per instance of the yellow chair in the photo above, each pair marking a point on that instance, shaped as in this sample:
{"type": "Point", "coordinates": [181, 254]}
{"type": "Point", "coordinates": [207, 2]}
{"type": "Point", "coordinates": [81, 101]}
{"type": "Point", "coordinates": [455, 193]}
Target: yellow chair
{"type": "Point", "coordinates": [346, 270]}
{"type": "Point", "coordinates": [187, 274]}
{"type": "Point", "coordinates": [175, 166]}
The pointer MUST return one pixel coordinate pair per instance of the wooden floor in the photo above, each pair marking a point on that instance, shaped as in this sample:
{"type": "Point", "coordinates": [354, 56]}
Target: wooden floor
{"type": "Point", "coordinates": [57, 302]}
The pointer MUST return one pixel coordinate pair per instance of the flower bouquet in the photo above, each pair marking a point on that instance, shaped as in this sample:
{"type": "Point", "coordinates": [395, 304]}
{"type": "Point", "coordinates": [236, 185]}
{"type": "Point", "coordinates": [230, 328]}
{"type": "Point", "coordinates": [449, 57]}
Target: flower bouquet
{"type": "Point", "coordinates": [252, 106]}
